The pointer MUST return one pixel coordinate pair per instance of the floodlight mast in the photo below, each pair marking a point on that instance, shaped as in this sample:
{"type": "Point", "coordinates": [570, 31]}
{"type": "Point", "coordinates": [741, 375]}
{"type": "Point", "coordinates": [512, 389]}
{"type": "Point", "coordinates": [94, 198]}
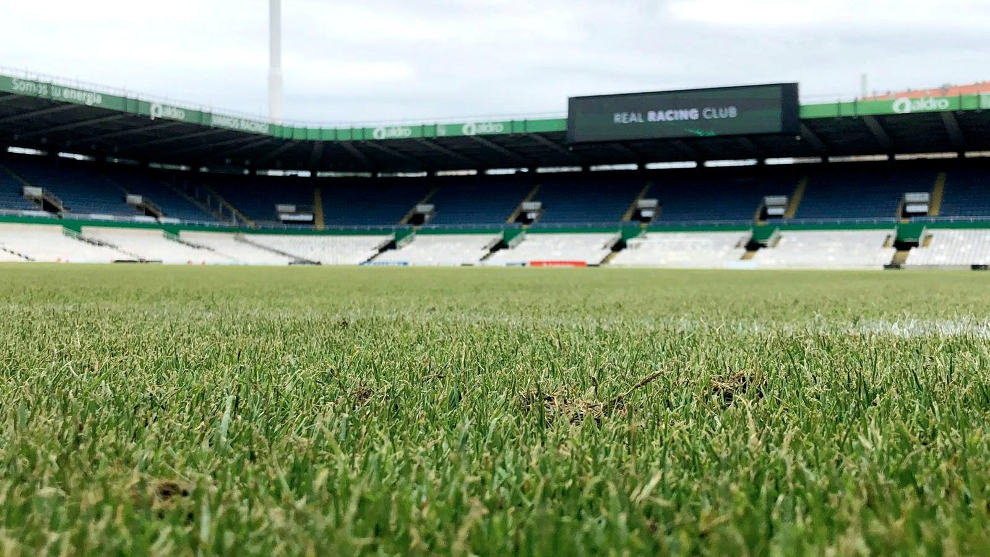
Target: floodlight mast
{"type": "Point", "coordinates": [275, 60]}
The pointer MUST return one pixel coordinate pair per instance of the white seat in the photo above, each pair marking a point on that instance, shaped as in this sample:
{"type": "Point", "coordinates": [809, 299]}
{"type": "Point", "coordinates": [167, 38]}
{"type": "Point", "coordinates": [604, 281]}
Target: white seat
{"type": "Point", "coordinates": [686, 250]}
{"type": "Point", "coordinates": [240, 252]}
{"type": "Point", "coordinates": [536, 247]}
{"type": "Point", "coordinates": [441, 249]}
{"type": "Point", "coordinates": [152, 245]}
{"type": "Point", "coordinates": [952, 248]}
{"type": "Point", "coordinates": [828, 249]}
{"type": "Point", "coordinates": [49, 243]}
{"type": "Point", "coordinates": [6, 257]}
{"type": "Point", "coordinates": [324, 249]}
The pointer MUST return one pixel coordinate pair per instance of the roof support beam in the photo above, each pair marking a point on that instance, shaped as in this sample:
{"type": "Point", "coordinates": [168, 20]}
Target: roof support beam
{"type": "Point", "coordinates": [210, 131]}
{"type": "Point", "coordinates": [629, 152]}
{"type": "Point", "coordinates": [275, 152]}
{"type": "Point", "coordinates": [748, 144]}
{"type": "Point", "coordinates": [249, 145]}
{"type": "Point", "coordinates": [315, 156]}
{"type": "Point", "coordinates": [955, 133]}
{"type": "Point", "coordinates": [502, 150]}
{"type": "Point", "coordinates": [813, 140]}
{"type": "Point", "coordinates": [129, 131]}
{"type": "Point", "coordinates": [39, 112]}
{"type": "Point", "coordinates": [688, 151]}
{"type": "Point", "coordinates": [555, 146]}
{"type": "Point", "coordinates": [357, 154]}
{"type": "Point", "coordinates": [235, 141]}
{"type": "Point", "coordinates": [74, 125]}
{"type": "Point", "coordinates": [399, 155]}
{"type": "Point", "coordinates": [445, 151]}
{"type": "Point", "coordinates": [879, 133]}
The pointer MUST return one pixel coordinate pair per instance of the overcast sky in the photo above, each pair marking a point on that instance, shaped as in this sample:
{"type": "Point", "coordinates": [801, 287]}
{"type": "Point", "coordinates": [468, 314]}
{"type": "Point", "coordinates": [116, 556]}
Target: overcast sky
{"type": "Point", "coordinates": [385, 60]}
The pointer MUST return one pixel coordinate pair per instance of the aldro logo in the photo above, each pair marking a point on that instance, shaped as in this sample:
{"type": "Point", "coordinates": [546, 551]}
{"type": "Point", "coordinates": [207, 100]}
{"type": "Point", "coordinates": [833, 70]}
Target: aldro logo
{"type": "Point", "coordinates": [476, 128]}
{"type": "Point", "coordinates": [905, 105]}
{"type": "Point", "coordinates": [393, 132]}
{"type": "Point", "coordinates": [159, 110]}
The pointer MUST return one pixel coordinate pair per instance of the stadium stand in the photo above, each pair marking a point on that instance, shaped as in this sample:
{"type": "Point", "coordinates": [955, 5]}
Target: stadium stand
{"type": "Point", "coordinates": [716, 196]}
{"type": "Point", "coordinates": [828, 249]}
{"type": "Point", "coordinates": [233, 246]}
{"type": "Point", "coordinates": [967, 193]}
{"type": "Point", "coordinates": [442, 249]}
{"type": "Point", "coordinates": [82, 189]}
{"type": "Point", "coordinates": [11, 193]}
{"type": "Point", "coordinates": [210, 183]}
{"type": "Point", "coordinates": [155, 186]}
{"type": "Point", "coordinates": [50, 244]}
{"type": "Point", "coordinates": [860, 193]}
{"type": "Point", "coordinates": [326, 250]}
{"type": "Point", "coordinates": [153, 245]}
{"type": "Point", "coordinates": [686, 250]}
{"type": "Point", "coordinates": [478, 201]}
{"type": "Point", "coordinates": [86, 188]}
{"type": "Point", "coordinates": [557, 249]}
{"type": "Point", "coordinates": [952, 248]}
{"type": "Point", "coordinates": [257, 196]}
{"type": "Point", "coordinates": [367, 202]}
{"type": "Point", "coordinates": [9, 257]}
{"type": "Point", "coordinates": [572, 198]}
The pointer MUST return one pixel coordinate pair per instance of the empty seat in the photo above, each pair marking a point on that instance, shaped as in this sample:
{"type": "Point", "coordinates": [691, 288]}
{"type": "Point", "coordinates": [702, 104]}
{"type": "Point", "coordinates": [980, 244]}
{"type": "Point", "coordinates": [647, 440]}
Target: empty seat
{"type": "Point", "coordinates": [688, 250]}
{"type": "Point", "coordinates": [153, 245]}
{"type": "Point", "coordinates": [152, 185]}
{"type": "Point", "coordinates": [256, 196]}
{"type": "Point", "coordinates": [49, 243]}
{"type": "Point", "coordinates": [953, 248]}
{"type": "Point", "coordinates": [537, 248]}
{"type": "Point", "coordinates": [860, 193]}
{"type": "Point", "coordinates": [80, 186]}
{"type": "Point", "coordinates": [484, 201]}
{"type": "Point", "coordinates": [233, 247]}
{"type": "Point", "coordinates": [324, 249]}
{"type": "Point", "coordinates": [366, 202]}
{"type": "Point", "coordinates": [581, 199]}
{"type": "Point", "coordinates": [829, 249]}
{"type": "Point", "coordinates": [967, 193]}
{"type": "Point", "coordinates": [716, 197]}
{"type": "Point", "coordinates": [442, 249]}
{"type": "Point", "coordinates": [12, 193]}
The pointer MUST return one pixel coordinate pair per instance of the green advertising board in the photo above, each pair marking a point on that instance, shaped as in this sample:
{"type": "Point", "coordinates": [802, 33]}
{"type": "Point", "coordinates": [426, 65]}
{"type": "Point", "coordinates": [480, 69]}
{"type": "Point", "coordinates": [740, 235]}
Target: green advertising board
{"type": "Point", "coordinates": [719, 111]}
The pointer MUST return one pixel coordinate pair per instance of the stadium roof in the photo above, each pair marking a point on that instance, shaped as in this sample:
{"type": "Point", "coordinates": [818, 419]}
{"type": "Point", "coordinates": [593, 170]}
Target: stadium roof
{"type": "Point", "coordinates": [50, 114]}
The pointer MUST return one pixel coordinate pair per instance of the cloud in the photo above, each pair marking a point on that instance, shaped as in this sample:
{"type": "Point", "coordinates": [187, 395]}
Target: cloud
{"type": "Point", "coordinates": [382, 60]}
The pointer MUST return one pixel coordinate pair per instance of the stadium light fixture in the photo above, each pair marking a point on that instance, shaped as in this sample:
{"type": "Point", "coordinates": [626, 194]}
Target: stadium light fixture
{"type": "Point", "coordinates": [275, 60]}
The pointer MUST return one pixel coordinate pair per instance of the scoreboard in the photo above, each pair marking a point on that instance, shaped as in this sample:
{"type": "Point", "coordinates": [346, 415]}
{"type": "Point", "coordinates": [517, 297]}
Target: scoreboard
{"type": "Point", "coordinates": [745, 110]}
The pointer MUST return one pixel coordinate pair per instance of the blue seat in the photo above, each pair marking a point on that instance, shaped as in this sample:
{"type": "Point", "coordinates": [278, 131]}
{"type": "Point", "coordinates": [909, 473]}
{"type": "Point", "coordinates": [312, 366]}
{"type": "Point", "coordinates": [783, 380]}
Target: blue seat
{"type": "Point", "coordinates": [716, 197]}
{"type": "Point", "coordinates": [860, 193]}
{"type": "Point", "coordinates": [966, 194]}
{"type": "Point", "coordinates": [587, 199]}
{"type": "Point", "coordinates": [478, 200]}
{"type": "Point", "coordinates": [80, 186]}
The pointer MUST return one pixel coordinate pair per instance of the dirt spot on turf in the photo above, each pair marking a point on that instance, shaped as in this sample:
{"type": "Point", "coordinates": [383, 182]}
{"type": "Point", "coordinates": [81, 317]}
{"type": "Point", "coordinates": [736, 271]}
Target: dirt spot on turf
{"type": "Point", "coordinates": [361, 394]}
{"type": "Point", "coordinates": [577, 410]}
{"type": "Point", "coordinates": [161, 495]}
{"type": "Point", "coordinates": [343, 324]}
{"type": "Point", "coordinates": [729, 388]}
{"type": "Point", "coordinates": [166, 491]}
{"type": "Point", "coordinates": [559, 406]}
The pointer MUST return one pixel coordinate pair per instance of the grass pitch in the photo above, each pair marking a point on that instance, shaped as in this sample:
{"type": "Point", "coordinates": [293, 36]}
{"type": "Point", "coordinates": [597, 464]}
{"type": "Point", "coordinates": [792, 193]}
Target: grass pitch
{"type": "Point", "coordinates": [492, 411]}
